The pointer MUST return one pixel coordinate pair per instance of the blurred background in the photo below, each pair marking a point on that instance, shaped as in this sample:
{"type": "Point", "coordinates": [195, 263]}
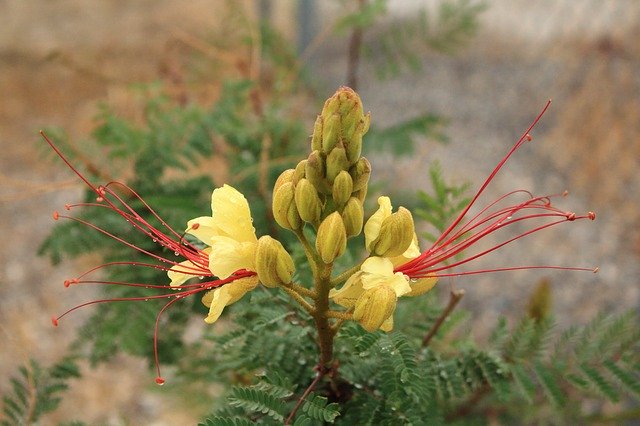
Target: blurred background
{"type": "Point", "coordinates": [60, 59]}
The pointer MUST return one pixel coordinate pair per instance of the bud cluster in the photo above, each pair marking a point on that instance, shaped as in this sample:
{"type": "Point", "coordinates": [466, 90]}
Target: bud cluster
{"type": "Point", "coordinates": [328, 188]}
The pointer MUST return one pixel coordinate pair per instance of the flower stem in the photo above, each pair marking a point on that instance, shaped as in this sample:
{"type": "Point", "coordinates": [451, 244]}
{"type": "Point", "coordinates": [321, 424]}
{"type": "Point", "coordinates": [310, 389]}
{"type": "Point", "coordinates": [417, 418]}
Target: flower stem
{"type": "Point", "coordinates": [298, 298]}
{"type": "Point", "coordinates": [343, 276]}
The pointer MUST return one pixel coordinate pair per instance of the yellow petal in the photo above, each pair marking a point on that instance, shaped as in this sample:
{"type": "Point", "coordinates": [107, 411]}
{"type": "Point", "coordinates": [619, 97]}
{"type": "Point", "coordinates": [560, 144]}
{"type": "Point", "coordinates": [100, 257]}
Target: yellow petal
{"type": "Point", "coordinates": [203, 228]}
{"type": "Point", "coordinates": [372, 227]}
{"type": "Point", "coordinates": [231, 214]}
{"type": "Point", "coordinates": [228, 255]}
{"type": "Point", "coordinates": [377, 265]}
{"type": "Point", "coordinates": [180, 273]}
{"type": "Point", "coordinates": [226, 295]}
{"type": "Point", "coordinates": [350, 291]}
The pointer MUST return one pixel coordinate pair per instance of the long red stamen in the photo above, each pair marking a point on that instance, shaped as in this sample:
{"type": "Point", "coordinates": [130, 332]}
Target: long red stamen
{"type": "Point", "coordinates": [461, 235]}
{"type": "Point", "coordinates": [198, 259]}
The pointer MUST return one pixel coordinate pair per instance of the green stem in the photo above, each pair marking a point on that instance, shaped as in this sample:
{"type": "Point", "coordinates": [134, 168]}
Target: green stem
{"type": "Point", "coordinates": [303, 290]}
{"type": "Point", "coordinates": [298, 298]}
{"type": "Point", "coordinates": [321, 317]}
{"type": "Point", "coordinates": [309, 251]}
{"type": "Point", "coordinates": [339, 315]}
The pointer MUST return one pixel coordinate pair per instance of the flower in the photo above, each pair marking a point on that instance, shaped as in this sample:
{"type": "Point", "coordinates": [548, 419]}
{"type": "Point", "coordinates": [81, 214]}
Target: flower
{"type": "Point", "coordinates": [372, 292]}
{"type": "Point", "coordinates": [450, 250]}
{"type": "Point", "coordinates": [389, 234]}
{"type": "Point", "coordinates": [227, 232]}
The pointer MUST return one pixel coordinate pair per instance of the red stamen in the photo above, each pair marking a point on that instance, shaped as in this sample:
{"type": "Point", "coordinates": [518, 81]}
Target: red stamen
{"type": "Point", "coordinates": [459, 236]}
{"type": "Point", "coordinates": [169, 239]}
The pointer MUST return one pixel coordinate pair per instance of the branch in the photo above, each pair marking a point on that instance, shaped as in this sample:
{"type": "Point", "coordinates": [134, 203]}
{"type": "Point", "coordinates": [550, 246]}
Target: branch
{"type": "Point", "coordinates": [321, 373]}
{"type": "Point", "coordinates": [355, 47]}
{"type": "Point", "coordinates": [454, 299]}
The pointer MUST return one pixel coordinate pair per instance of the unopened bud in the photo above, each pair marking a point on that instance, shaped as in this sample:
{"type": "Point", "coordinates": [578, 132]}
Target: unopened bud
{"type": "Point", "coordinates": [342, 188]}
{"type": "Point", "coordinates": [299, 172]}
{"type": "Point", "coordinates": [375, 306]}
{"type": "Point", "coordinates": [316, 138]}
{"type": "Point", "coordinates": [307, 201]}
{"type": "Point", "coordinates": [284, 177]}
{"type": "Point", "coordinates": [273, 264]}
{"type": "Point", "coordinates": [336, 162]}
{"type": "Point", "coordinates": [353, 148]}
{"type": "Point", "coordinates": [422, 286]}
{"type": "Point", "coordinates": [284, 207]}
{"type": "Point", "coordinates": [361, 194]}
{"type": "Point", "coordinates": [353, 217]}
{"type": "Point", "coordinates": [330, 132]}
{"type": "Point", "coordinates": [396, 234]}
{"type": "Point", "coordinates": [331, 240]}
{"type": "Point", "coordinates": [315, 171]}
{"type": "Point", "coordinates": [360, 173]}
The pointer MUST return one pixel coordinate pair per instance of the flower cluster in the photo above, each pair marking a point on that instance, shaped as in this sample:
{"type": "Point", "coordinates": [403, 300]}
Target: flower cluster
{"type": "Point", "coordinates": [322, 198]}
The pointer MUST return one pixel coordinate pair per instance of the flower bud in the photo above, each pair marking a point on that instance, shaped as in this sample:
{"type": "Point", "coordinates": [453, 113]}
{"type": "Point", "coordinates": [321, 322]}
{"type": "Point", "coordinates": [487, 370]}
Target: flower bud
{"type": "Point", "coordinates": [422, 286]}
{"type": "Point", "coordinates": [360, 173]}
{"type": "Point", "coordinates": [273, 264]}
{"type": "Point", "coordinates": [315, 171]}
{"type": "Point", "coordinates": [342, 188]}
{"type": "Point", "coordinates": [316, 138]}
{"type": "Point", "coordinates": [331, 240]}
{"type": "Point", "coordinates": [353, 148]}
{"type": "Point", "coordinates": [353, 217]}
{"type": "Point", "coordinates": [375, 306]}
{"type": "Point", "coordinates": [330, 132]}
{"type": "Point", "coordinates": [284, 207]}
{"type": "Point", "coordinates": [396, 234]}
{"type": "Point", "coordinates": [336, 162]}
{"type": "Point", "coordinates": [307, 201]}
{"type": "Point", "coordinates": [299, 172]}
{"type": "Point", "coordinates": [284, 177]}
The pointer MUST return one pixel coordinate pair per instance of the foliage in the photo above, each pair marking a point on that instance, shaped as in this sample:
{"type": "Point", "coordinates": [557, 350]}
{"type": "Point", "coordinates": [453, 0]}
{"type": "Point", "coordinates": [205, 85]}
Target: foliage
{"type": "Point", "coordinates": [36, 390]}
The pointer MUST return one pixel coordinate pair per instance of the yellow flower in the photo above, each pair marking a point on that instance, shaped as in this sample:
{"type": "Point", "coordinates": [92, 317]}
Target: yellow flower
{"type": "Point", "coordinates": [229, 231]}
{"type": "Point", "coordinates": [232, 242]}
{"type": "Point", "coordinates": [373, 305]}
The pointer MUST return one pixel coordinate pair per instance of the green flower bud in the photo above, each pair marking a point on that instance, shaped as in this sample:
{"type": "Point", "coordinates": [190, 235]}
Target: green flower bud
{"type": "Point", "coordinates": [284, 207]}
{"type": "Point", "coordinates": [396, 234]}
{"type": "Point", "coordinates": [284, 177]}
{"type": "Point", "coordinates": [307, 201]}
{"type": "Point", "coordinates": [316, 138]}
{"type": "Point", "coordinates": [353, 148]}
{"type": "Point", "coordinates": [336, 162]}
{"type": "Point", "coordinates": [273, 264]}
{"type": "Point", "coordinates": [360, 173]}
{"type": "Point", "coordinates": [342, 188]}
{"type": "Point", "coordinates": [353, 217]}
{"type": "Point", "coordinates": [299, 172]}
{"type": "Point", "coordinates": [315, 171]}
{"type": "Point", "coordinates": [330, 132]}
{"type": "Point", "coordinates": [331, 240]}
{"type": "Point", "coordinates": [375, 306]}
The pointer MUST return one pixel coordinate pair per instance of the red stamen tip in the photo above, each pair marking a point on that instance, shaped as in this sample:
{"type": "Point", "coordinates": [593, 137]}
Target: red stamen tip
{"type": "Point", "coordinates": [195, 226]}
{"type": "Point", "coordinates": [591, 215]}
{"type": "Point", "coordinates": [160, 381]}
{"type": "Point", "coordinates": [67, 206]}
{"type": "Point", "coordinates": [565, 193]}
{"type": "Point", "coordinates": [99, 199]}
{"type": "Point", "coordinates": [529, 138]}
{"type": "Point", "coordinates": [54, 321]}
{"type": "Point", "coordinates": [571, 216]}
{"type": "Point", "coordinates": [56, 216]}
{"type": "Point", "coordinates": [596, 269]}
{"type": "Point", "coordinates": [67, 283]}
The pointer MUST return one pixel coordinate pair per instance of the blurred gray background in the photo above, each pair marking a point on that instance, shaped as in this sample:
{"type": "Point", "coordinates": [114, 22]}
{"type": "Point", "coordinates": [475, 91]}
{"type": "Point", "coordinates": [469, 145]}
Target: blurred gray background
{"type": "Point", "coordinates": [59, 58]}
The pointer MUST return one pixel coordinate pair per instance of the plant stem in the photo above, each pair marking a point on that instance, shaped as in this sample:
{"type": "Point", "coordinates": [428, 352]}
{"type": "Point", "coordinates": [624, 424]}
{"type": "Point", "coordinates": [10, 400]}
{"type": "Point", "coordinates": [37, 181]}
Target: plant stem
{"type": "Point", "coordinates": [345, 275]}
{"type": "Point", "coordinates": [325, 332]}
{"type": "Point", "coordinates": [454, 299]}
{"type": "Point", "coordinates": [298, 298]}
{"type": "Point", "coordinates": [306, 393]}
{"type": "Point", "coordinates": [355, 46]}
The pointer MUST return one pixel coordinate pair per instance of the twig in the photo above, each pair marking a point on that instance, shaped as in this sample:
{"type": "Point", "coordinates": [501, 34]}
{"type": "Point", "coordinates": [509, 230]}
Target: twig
{"type": "Point", "coordinates": [454, 299]}
{"type": "Point", "coordinates": [355, 47]}
{"type": "Point", "coordinates": [321, 373]}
